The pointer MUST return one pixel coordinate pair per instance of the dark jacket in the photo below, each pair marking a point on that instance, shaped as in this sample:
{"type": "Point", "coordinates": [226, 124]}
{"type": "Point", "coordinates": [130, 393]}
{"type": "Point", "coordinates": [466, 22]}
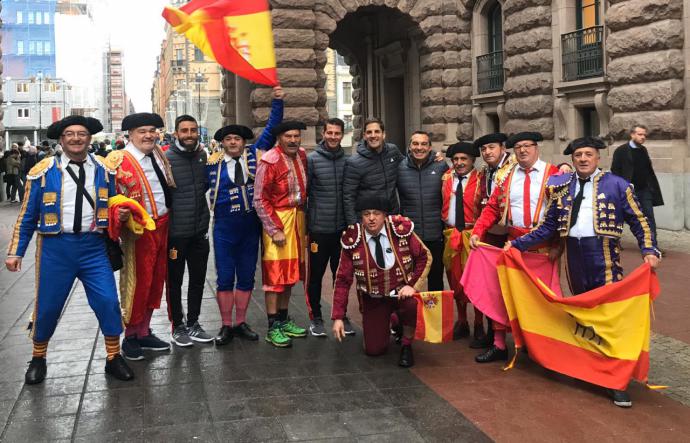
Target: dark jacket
{"type": "Point", "coordinates": [622, 166]}
{"type": "Point", "coordinates": [419, 190]}
{"type": "Point", "coordinates": [189, 214]}
{"type": "Point", "coordinates": [325, 170]}
{"type": "Point", "coordinates": [368, 172]}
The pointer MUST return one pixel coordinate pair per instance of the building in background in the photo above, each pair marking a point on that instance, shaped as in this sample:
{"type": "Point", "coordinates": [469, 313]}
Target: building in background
{"type": "Point", "coordinates": [116, 101]}
{"type": "Point", "coordinates": [28, 42]}
{"type": "Point", "coordinates": [186, 82]}
{"type": "Point", "coordinates": [339, 92]}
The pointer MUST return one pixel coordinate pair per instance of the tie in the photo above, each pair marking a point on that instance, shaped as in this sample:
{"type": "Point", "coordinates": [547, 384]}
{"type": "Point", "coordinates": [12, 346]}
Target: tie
{"type": "Point", "coordinates": [490, 181]}
{"type": "Point", "coordinates": [578, 201]}
{"type": "Point", "coordinates": [81, 182]}
{"type": "Point", "coordinates": [161, 178]}
{"type": "Point", "coordinates": [527, 213]}
{"type": "Point", "coordinates": [459, 205]}
{"type": "Point", "coordinates": [239, 173]}
{"type": "Point", "coordinates": [380, 259]}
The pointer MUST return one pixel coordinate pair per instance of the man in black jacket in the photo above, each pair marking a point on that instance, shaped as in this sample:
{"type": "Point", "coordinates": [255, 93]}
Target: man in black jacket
{"type": "Point", "coordinates": [372, 170]}
{"type": "Point", "coordinates": [631, 161]}
{"type": "Point", "coordinates": [188, 232]}
{"type": "Point", "coordinates": [326, 217]}
{"type": "Point", "coordinates": [419, 188]}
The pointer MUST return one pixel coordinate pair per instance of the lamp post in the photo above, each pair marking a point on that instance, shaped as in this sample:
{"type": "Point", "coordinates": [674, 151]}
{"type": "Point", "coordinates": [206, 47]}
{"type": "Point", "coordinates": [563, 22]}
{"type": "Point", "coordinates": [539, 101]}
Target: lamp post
{"type": "Point", "coordinates": [39, 74]}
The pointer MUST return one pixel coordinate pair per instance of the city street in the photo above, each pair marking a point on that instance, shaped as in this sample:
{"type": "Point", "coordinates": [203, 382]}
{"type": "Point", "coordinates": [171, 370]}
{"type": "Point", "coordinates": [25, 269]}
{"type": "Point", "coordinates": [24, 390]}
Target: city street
{"type": "Point", "coordinates": [321, 389]}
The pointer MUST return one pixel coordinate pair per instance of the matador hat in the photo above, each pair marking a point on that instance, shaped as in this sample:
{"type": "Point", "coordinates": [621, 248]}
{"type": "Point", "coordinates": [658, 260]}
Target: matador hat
{"type": "Point", "coordinates": [496, 137]}
{"type": "Point", "coordinates": [240, 130]}
{"type": "Point", "coordinates": [142, 119]}
{"type": "Point", "coordinates": [584, 142]}
{"type": "Point", "coordinates": [287, 126]}
{"type": "Point", "coordinates": [462, 148]}
{"type": "Point", "coordinates": [91, 124]}
{"type": "Point", "coordinates": [522, 136]}
{"type": "Point", "coordinates": [373, 202]}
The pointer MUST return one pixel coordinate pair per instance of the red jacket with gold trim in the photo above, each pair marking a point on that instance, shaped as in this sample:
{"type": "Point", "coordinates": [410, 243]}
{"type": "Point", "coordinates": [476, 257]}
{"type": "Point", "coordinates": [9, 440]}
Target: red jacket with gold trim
{"type": "Point", "coordinates": [471, 193]}
{"type": "Point", "coordinates": [412, 263]}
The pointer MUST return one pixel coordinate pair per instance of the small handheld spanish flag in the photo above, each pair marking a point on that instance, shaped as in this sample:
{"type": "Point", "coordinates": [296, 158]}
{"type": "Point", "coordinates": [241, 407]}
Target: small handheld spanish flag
{"type": "Point", "coordinates": [435, 311]}
{"type": "Point", "coordinates": [235, 33]}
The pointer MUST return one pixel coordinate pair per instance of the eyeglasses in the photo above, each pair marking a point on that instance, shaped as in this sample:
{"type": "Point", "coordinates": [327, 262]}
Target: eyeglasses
{"type": "Point", "coordinates": [71, 134]}
{"type": "Point", "coordinates": [525, 146]}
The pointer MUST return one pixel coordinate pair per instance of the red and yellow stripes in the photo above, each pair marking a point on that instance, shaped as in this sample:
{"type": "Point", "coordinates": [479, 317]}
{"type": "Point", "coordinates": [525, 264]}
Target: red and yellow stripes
{"type": "Point", "coordinates": [435, 316]}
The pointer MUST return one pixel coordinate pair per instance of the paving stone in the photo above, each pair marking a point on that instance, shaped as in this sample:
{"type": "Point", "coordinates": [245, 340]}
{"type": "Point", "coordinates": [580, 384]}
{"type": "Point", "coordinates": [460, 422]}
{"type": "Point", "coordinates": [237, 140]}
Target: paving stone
{"type": "Point", "coordinates": [311, 427]}
{"type": "Point", "coordinates": [251, 430]}
{"type": "Point", "coordinates": [110, 422]}
{"type": "Point", "coordinates": [39, 429]}
{"type": "Point", "coordinates": [182, 433]}
{"type": "Point", "coordinates": [177, 413]}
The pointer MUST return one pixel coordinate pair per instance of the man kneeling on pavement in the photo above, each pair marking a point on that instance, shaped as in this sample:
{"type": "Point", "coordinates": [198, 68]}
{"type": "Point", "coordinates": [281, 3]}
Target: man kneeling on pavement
{"type": "Point", "coordinates": [390, 264]}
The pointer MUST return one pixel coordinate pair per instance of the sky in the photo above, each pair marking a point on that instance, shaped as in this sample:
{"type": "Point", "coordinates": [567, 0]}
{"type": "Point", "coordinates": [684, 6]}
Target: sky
{"type": "Point", "coordinates": [136, 27]}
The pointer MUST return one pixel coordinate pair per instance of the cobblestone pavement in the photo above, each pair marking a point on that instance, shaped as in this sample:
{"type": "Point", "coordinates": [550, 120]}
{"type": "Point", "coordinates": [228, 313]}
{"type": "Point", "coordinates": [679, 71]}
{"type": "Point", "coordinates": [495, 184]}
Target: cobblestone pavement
{"type": "Point", "coordinates": [318, 390]}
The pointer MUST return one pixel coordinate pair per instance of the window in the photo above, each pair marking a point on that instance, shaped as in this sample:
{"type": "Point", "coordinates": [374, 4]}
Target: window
{"type": "Point", "coordinates": [20, 47]}
{"type": "Point", "coordinates": [23, 113]}
{"type": "Point", "coordinates": [20, 17]}
{"type": "Point", "coordinates": [340, 60]}
{"type": "Point", "coordinates": [32, 48]}
{"type": "Point", "coordinates": [179, 54]}
{"type": "Point", "coordinates": [587, 13]}
{"type": "Point", "coordinates": [46, 18]}
{"type": "Point", "coordinates": [22, 87]}
{"type": "Point", "coordinates": [30, 18]}
{"type": "Point", "coordinates": [347, 93]}
{"type": "Point", "coordinates": [495, 34]}
{"type": "Point", "coordinates": [589, 122]}
{"type": "Point", "coordinates": [47, 48]}
{"type": "Point", "coordinates": [39, 48]}
{"type": "Point", "coordinates": [198, 55]}
{"type": "Point", "coordinates": [39, 18]}
{"type": "Point", "coordinates": [494, 123]}
{"type": "Point", "coordinates": [50, 87]}
{"type": "Point", "coordinates": [347, 119]}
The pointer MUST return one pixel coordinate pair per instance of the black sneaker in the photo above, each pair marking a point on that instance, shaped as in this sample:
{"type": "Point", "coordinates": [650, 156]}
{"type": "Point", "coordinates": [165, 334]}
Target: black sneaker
{"type": "Point", "coordinates": [493, 354]}
{"type": "Point", "coordinates": [461, 330]}
{"type": "Point", "coordinates": [406, 359]}
{"type": "Point", "coordinates": [620, 398]}
{"type": "Point", "coordinates": [244, 332]}
{"type": "Point", "coordinates": [153, 343]}
{"type": "Point", "coordinates": [316, 328]}
{"type": "Point", "coordinates": [349, 330]}
{"type": "Point", "coordinates": [36, 372]}
{"type": "Point", "coordinates": [118, 368]}
{"type": "Point", "coordinates": [131, 349]}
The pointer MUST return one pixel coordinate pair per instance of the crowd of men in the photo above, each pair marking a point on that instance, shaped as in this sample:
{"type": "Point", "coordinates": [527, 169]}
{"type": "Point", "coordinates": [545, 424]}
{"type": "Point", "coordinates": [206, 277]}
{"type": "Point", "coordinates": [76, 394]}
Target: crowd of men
{"type": "Point", "coordinates": [390, 222]}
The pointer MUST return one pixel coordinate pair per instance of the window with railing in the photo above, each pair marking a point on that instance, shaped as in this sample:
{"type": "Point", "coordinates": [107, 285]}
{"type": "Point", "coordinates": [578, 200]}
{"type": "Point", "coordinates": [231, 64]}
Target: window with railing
{"type": "Point", "coordinates": [583, 53]}
{"type": "Point", "coordinates": [490, 72]}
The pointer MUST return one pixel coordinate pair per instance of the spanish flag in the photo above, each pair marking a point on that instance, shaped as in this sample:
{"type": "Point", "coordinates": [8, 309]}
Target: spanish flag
{"type": "Point", "coordinates": [435, 316]}
{"type": "Point", "coordinates": [235, 33]}
{"type": "Point", "coordinates": [600, 336]}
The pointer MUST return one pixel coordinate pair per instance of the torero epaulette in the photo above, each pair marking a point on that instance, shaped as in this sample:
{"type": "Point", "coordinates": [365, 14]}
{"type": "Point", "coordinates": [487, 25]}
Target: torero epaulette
{"type": "Point", "coordinates": [215, 158]}
{"type": "Point", "coordinates": [40, 168]}
{"type": "Point", "coordinates": [114, 160]}
{"type": "Point", "coordinates": [351, 237]}
{"type": "Point", "coordinates": [557, 185]}
{"type": "Point", "coordinates": [401, 226]}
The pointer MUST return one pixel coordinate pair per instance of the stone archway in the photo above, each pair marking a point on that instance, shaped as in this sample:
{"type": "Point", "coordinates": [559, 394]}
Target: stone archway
{"type": "Point", "coordinates": [422, 67]}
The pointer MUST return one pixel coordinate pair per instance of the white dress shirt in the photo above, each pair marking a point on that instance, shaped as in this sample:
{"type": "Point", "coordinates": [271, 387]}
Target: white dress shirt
{"type": "Point", "coordinates": [154, 183]}
{"type": "Point", "coordinates": [584, 226]}
{"type": "Point", "coordinates": [230, 165]}
{"type": "Point", "coordinates": [69, 196]}
{"type": "Point", "coordinates": [451, 204]}
{"type": "Point", "coordinates": [517, 184]}
{"type": "Point", "coordinates": [388, 255]}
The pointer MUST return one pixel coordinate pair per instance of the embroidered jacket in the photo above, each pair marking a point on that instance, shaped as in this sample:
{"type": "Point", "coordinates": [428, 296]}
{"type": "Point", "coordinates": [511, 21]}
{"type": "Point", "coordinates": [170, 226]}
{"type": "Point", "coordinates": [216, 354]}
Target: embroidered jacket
{"type": "Point", "coordinates": [41, 209]}
{"type": "Point", "coordinates": [281, 183]}
{"type": "Point", "coordinates": [412, 263]}
{"type": "Point", "coordinates": [614, 205]}
{"type": "Point", "coordinates": [471, 193]}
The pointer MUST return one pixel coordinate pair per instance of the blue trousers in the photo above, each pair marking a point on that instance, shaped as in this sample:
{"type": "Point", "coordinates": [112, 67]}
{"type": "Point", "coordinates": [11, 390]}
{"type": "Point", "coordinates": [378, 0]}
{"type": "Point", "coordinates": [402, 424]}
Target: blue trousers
{"type": "Point", "coordinates": [236, 249]}
{"type": "Point", "coordinates": [592, 262]}
{"type": "Point", "coordinates": [62, 259]}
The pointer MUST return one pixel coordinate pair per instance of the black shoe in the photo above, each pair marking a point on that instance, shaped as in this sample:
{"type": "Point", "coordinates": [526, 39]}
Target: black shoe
{"type": "Point", "coordinates": [397, 332]}
{"type": "Point", "coordinates": [493, 354]}
{"type": "Point", "coordinates": [461, 330]}
{"type": "Point", "coordinates": [36, 372]}
{"type": "Point", "coordinates": [480, 339]}
{"type": "Point", "coordinates": [224, 336]}
{"type": "Point", "coordinates": [620, 398]}
{"type": "Point", "coordinates": [118, 368]}
{"type": "Point", "coordinates": [245, 332]}
{"type": "Point", "coordinates": [406, 357]}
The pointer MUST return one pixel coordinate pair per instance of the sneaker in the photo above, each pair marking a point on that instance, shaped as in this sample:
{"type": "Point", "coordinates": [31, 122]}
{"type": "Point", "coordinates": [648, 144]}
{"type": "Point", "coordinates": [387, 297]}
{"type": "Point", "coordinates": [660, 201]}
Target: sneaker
{"type": "Point", "coordinates": [291, 329]}
{"type": "Point", "coordinates": [276, 337]}
{"type": "Point", "coordinates": [153, 343]}
{"type": "Point", "coordinates": [621, 398]}
{"type": "Point", "coordinates": [131, 349]}
{"type": "Point", "coordinates": [316, 328]}
{"type": "Point", "coordinates": [180, 336]}
{"type": "Point", "coordinates": [197, 333]}
{"type": "Point", "coordinates": [349, 330]}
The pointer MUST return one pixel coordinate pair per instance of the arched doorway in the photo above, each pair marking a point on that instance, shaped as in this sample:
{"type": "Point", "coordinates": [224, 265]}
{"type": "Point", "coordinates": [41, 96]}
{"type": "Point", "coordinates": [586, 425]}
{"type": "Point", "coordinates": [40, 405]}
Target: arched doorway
{"type": "Point", "coordinates": [381, 45]}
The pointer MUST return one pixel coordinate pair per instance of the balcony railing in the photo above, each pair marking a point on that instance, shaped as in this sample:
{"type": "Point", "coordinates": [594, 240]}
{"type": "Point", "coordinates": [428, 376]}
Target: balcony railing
{"type": "Point", "coordinates": [583, 53]}
{"type": "Point", "coordinates": [490, 72]}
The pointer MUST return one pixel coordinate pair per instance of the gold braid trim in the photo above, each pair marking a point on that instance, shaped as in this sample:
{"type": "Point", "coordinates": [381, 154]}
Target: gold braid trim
{"type": "Point", "coordinates": [128, 274]}
{"type": "Point", "coordinates": [166, 166]}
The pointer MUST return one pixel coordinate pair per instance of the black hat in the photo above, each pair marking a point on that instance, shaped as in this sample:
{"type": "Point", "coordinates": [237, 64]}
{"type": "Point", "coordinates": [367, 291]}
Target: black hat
{"type": "Point", "coordinates": [521, 136]}
{"type": "Point", "coordinates": [91, 124]}
{"type": "Point", "coordinates": [584, 142]}
{"type": "Point", "coordinates": [240, 130]}
{"type": "Point", "coordinates": [462, 148]}
{"type": "Point", "coordinates": [287, 126]}
{"type": "Point", "coordinates": [373, 202]}
{"type": "Point", "coordinates": [496, 137]}
{"type": "Point", "coordinates": [142, 119]}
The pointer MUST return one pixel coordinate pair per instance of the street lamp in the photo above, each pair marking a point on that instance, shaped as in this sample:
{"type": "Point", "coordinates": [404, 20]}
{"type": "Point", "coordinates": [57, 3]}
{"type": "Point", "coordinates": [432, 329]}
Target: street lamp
{"type": "Point", "coordinates": [199, 79]}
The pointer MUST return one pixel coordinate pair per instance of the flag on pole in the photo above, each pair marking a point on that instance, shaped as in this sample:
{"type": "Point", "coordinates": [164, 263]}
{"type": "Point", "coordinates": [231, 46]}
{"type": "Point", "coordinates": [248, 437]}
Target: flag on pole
{"type": "Point", "coordinates": [600, 336]}
{"type": "Point", "coordinates": [435, 316]}
{"type": "Point", "coordinates": [235, 33]}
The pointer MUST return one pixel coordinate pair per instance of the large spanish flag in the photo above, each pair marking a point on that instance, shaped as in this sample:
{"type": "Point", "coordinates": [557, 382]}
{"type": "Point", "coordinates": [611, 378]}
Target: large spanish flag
{"type": "Point", "coordinates": [284, 265]}
{"type": "Point", "coordinates": [600, 336]}
{"type": "Point", "coordinates": [434, 316]}
{"type": "Point", "coordinates": [235, 33]}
